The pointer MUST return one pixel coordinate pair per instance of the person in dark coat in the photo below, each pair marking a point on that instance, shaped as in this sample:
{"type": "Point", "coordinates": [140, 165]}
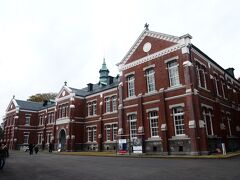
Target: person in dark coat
{"type": "Point", "coordinates": [50, 147]}
{"type": "Point", "coordinates": [2, 156]}
{"type": "Point", "coordinates": [36, 149]}
{"type": "Point", "coordinates": [30, 146]}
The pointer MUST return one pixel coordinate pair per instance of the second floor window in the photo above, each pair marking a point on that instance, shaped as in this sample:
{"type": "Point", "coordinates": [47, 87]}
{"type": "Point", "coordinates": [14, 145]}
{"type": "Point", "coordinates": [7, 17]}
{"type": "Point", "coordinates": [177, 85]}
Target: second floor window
{"type": "Point", "coordinates": [173, 73]}
{"type": "Point", "coordinates": [114, 103]}
{"type": "Point", "coordinates": [107, 103]}
{"type": "Point", "coordinates": [150, 80]}
{"type": "Point", "coordinates": [94, 107]}
{"type": "Point", "coordinates": [90, 109]}
{"type": "Point", "coordinates": [131, 88]}
{"type": "Point", "coordinates": [201, 75]}
{"type": "Point", "coordinates": [27, 120]}
{"type": "Point", "coordinates": [63, 111]}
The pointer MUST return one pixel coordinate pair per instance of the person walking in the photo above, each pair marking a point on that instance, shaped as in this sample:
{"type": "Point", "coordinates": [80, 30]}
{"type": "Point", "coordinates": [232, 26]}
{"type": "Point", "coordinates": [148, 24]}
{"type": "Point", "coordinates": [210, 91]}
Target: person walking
{"type": "Point", "coordinates": [2, 155]}
{"type": "Point", "coordinates": [36, 149]}
{"type": "Point", "coordinates": [30, 146]}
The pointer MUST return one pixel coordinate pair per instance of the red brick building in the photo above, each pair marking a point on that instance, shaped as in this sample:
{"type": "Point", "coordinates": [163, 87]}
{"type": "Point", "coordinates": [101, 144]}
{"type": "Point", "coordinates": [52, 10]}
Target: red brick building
{"type": "Point", "coordinates": [170, 98]}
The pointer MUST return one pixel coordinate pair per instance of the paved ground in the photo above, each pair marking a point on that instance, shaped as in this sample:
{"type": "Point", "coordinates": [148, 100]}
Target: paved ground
{"type": "Point", "coordinates": [22, 166]}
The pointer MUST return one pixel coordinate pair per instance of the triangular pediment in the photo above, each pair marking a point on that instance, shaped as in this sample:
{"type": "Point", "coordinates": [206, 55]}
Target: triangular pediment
{"type": "Point", "coordinates": [12, 105]}
{"type": "Point", "coordinates": [149, 42]}
{"type": "Point", "coordinates": [65, 91]}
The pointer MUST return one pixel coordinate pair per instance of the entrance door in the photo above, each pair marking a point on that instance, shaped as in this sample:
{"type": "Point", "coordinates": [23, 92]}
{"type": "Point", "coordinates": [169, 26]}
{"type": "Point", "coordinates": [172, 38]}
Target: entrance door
{"type": "Point", "coordinates": [62, 139]}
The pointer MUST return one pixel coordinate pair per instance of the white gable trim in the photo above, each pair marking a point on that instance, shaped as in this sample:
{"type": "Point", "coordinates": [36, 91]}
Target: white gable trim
{"type": "Point", "coordinates": [145, 33]}
{"type": "Point", "coordinates": [151, 57]}
{"type": "Point", "coordinates": [64, 88]}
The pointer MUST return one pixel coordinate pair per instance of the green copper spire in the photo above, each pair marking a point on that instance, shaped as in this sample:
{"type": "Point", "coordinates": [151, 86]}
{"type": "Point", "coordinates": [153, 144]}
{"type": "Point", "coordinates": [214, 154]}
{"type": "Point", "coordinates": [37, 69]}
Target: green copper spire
{"type": "Point", "coordinates": [103, 80]}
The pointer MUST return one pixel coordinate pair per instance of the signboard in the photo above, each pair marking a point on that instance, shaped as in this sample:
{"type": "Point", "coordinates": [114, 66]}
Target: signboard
{"type": "Point", "coordinates": [122, 146]}
{"type": "Point", "coordinates": [137, 145]}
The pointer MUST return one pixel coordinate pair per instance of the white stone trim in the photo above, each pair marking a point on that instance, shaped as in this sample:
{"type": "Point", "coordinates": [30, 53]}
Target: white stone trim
{"type": "Point", "coordinates": [62, 120]}
{"type": "Point", "coordinates": [171, 59]}
{"type": "Point", "coordinates": [152, 109]}
{"type": "Point", "coordinates": [130, 106]}
{"type": "Point", "coordinates": [176, 105]}
{"type": "Point", "coordinates": [151, 57]}
{"type": "Point", "coordinates": [130, 113]}
{"type": "Point", "coordinates": [149, 67]}
{"type": "Point", "coordinates": [176, 97]}
{"type": "Point", "coordinates": [151, 102]}
{"type": "Point", "coordinates": [129, 74]}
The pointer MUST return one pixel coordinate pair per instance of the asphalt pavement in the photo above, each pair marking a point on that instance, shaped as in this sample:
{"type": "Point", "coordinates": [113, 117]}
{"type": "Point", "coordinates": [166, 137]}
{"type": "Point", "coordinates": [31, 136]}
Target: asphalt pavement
{"type": "Point", "coordinates": [44, 166]}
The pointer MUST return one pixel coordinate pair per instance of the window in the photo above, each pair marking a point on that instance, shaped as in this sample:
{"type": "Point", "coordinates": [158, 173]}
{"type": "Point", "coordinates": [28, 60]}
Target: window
{"type": "Point", "coordinates": [26, 137]}
{"type": "Point", "coordinates": [115, 128]}
{"type": "Point", "coordinates": [50, 118]}
{"type": "Point", "coordinates": [94, 107]}
{"type": "Point", "coordinates": [63, 110]}
{"type": "Point", "coordinates": [114, 103]}
{"type": "Point", "coordinates": [178, 120]}
{"type": "Point", "coordinates": [131, 90]}
{"type": "Point", "coordinates": [94, 129]}
{"type": "Point", "coordinates": [201, 75]}
{"type": "Point", "coordinates": [41, 120]}
{"type": "Point", "coordinates": [90, 134]}
{"type": "Point", "coordinates": [150, 80]}
{"type": "Point", "coordinates": [40, 138]}
{"type": "Point", "coordinates": [173, 73]}
{"type": "Point", "coordinates": [108, 133]}
{"type": "Point", "coordinates": [107, 102]}
{"type": "Point", "coordinates": [49, 138]}
{"type": "Point", "coordinates": [207, 117]}
{"type": "Point", "coordinates": [229, 125]}
{"type": "Point", "coordinates": [27, 120]}
{"type": "Point", "coordinates": [153, 119]}
{"type": "Point", "coordinates": [90, 112]}
{"type": "Point", "coordinates": [133, 126]}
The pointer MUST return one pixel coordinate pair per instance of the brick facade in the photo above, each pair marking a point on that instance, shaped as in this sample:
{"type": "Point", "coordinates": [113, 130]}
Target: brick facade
{"type": "Point", "coordinates": [169, 95]}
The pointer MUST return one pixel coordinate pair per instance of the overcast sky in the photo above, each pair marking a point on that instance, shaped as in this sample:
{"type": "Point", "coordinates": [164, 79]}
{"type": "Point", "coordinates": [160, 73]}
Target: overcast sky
{"type": "Point", "coordinates": [44, 43]}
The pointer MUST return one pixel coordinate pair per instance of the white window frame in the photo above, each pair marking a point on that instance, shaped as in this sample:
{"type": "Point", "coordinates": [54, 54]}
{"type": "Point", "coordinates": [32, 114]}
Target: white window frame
{"type": "Point", "coordinates": [175, 119]}
{"type": "Point", "coordinates": [94, 108]}
{"type": "Point", "coordinates": [131, 85]}
{"type": "Point", "coordinates": [26, 138]}
{"type": "Point", "coordinates": [132, 123]}
{"type": "Point", "coordinates": [150, 80]}
{"type": "Point", "coordinates": [108, 132]}
{"type": "Point", "coordinates": [114, 131]}
{"type": "Point", "coordinates": [153, 120]}
{"type": "Point", "coordinates": [94, 133]}
{"type": "Point", "coordinates": [173, 73]}
{"type": "Point", "coordinates": [90, 112]}
{"type": "Point", "coordinates": [209, 114]}
{"type": "Point", "coordinates": [107, 104]}
{"type": "Point", "coordinates": [114, 103]}
{"type": "Point", "coordinates": [89, 136]}
{"type": "Point", "coordinates": [27, 120]}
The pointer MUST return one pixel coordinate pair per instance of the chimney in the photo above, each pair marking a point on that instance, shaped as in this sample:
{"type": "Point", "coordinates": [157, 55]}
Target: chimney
{"type": "Point", "coordinates": [230, 71]}
{"type": "Point", "coordinates": [90, 86]}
